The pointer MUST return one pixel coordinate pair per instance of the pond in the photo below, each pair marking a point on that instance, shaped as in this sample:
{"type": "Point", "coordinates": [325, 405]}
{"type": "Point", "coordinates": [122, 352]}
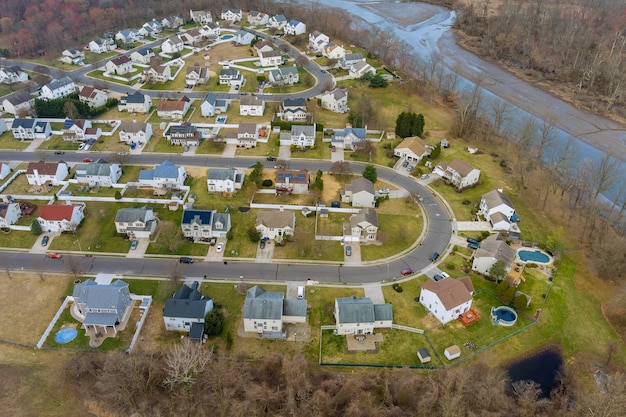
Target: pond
{"type": "Point", "coordinates": [542, 367]}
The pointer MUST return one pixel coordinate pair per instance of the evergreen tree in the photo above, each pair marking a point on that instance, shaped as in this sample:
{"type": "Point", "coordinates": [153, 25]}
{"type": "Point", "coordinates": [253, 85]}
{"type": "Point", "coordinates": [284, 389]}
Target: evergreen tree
{"type": "Point", "coordinates": [370, 173]}
{"type": "Point", "coordinates": [214, 322]}
{"type": "Point", "coordinates": [417, 124]}
{"type": "Point", "coordinates": [35, 228]}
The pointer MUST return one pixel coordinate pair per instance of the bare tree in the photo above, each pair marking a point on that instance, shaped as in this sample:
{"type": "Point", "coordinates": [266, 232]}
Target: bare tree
{"type": "Point", "coordinates": [175, 273]}
{"type": "Point", "coordinates": [72, 263]}
{"type": "Point", "coordinates": [341, 168]}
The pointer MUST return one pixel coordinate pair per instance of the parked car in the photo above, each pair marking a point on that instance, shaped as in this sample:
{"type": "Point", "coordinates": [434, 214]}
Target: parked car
{"type": "Point", "coordinates": [220, 247]}
{"type": "Point", "coordinates": [122, 153]}
{"type": "Point", "coordinates": [473, 246]}
{"type": "Point", "coordinates": [434, 256]}
{"type": "Point", "coordinates": [87, 160]}
{"type": "Point", "coordinates": [59, 152]}
{"type": "Point", "coordinates": [213, 241]}
{"type": "Point", "coordinates": [134, 244]}
{"type": "Point", "coordinates": [271, 158]}
{"type": "Point", "coordinates": [420, 198]}
{"type": "Point", "coordinates": [424, 176]}
{"type": "Point", "coordinates": [437, 277]}
{"type": "Point", "coordinates": [333, 148]}
{"type": "Point", "coordinates": [335, 204]}
{"type": "Point", "coordinates": [410, 168]}
{"type": "Point", "coordinates": [54, 255]}
{"type": "Point", "coordinates": [81, 146]}
{"type": "Point", "coordinates": [185, 260]}
{"type": "Point", "coordinates": [472, 240]}
{"type": "Point", "coordinates": [445, 275]}
{"type": "Point", "coordinates": [406, 271]}
{"type": "Point", "coordinates": [383, 191]}
{"type": "Point", "coordinates": [262, 244]}
{"type": "Point", "coordinates": [45, 240]}
{"type": "Point", "coordinates": [405, 164]}
{"type": "Point", "coordinates": [348, 250]}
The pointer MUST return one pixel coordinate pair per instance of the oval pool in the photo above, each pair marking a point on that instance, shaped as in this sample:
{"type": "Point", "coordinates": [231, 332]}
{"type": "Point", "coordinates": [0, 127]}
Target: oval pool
{"type": "Point", "coordinates": [65, 335]}
{"type": "Point", "coordinates": [227, 37]}
{"type": "Point", "coordinates": [535, 255]}
{"type": "Point", "coordinates": [503, 316]}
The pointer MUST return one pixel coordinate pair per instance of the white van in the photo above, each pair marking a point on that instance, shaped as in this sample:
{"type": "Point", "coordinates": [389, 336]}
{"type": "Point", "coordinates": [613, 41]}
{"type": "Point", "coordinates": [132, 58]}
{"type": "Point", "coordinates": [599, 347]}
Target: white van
{"type": "Point", "coordinates": [300, 293]}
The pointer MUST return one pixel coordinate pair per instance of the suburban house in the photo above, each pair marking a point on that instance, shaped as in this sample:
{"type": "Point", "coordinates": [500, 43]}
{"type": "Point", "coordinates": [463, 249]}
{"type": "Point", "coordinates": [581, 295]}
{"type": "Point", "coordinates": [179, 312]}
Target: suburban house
{"type": "Point", "coordinates": [98, 173]}
{"type": "Point", "coordinates": [135, 132]}
{"type": "Point", "coordinates": [135, 103]}
{"type": "Point", "coordinates": [202, 225]}
{"type": "Point", "coordinates": [459, 173]}
{"type": "Point", "coordinates": [251, 106]}
{"type": "Point", "coordinates": [201, 17]}
{"type": "Point", "coordinates": [136, 222]}
{"type": "Point", "coordinates": [93, 97]}
{"type": "Point", "coordinates": [332, 51]}
{"type": "Point", "coordinates": [166, 175]}
{"type": "Point", "coordinates": [360, 193]}
{"type": "Point", "coordinates": [349, 137]}
{"type": "Point", "coordinates": [243, 37]}
{"type": "Point", "coordinates": [172, 108]}
{"type": "Point", "coordinates": [9, 214]}
{"type": "Point", "coordinates": [30, 129]}
{"type": "Point", "coordinates": [211, 30]}
{"type": "Point", "coordinates": [74, 130]}
{"type": "Point", "coordinates": [40, 173]}
{"type": "Point", "coordinates": [360, 69]}
{"type": "Point", "coordinates": [101, 45]}
{"type": "Point", "coordinates": [184, 134]}
{"type": "Point", "coordinates": [211, 105]}
{"type": "Point", "coordinates": [301, 136]}
{"type": "Point", "coordinates": [186, 310]}
{"type": "Point", "coordinates": [258, 18]}
{"type": "Point", "coordinates": [362, 226]}
{"type": "Point", "coordinates": [157, 73]}
{"type": "Point", "coordinates": [294, 109]}
{"type": "Point", "coordinates": [348, 60]}
{"type": "Point", "coordinates": [413, 149]}
{"type": "Point", "coordinates": [128, 36]}
{"type": "Point", "coordinates": [172, 45]}
{"type": "Point", "coordinates": [294, 27]}
{"type": "Point", "coordinates": [142, 56]}
{"type": "Point", "coordinates": [291, 181]}
{"type": "Point", "coordinates": [224, 180]}
{"type": "Point", "coordinates": [498, 210]}
{"type": "Point", "coordinates": [61, 218]}
{"type": "Point", "coordinates": [492, 249]}
{"type": "Point", "coordinates": [5, 169]}
{"type": "Point", "coordinates": [284, 76]}
{"type": "Point", "coordinates": [335, 100]}
{"type": "Point", "coordinates": [74, 56]}
{"type": "Point", "coordinates": [247, 135]}
{"type": "Point", "coordinates": [192, 36]}
{"type": "Point", "coordinates": [151, 28]}
{"type": "Point", "coordinates": [448, 298]}
{"type": "Point", "coordinates": [18, 104]}
{"type": "Point", "coordinates": [57, 89]}
{"type": "Point", "coordinates": [174, 22]}
{"type": "Point", "coordinates": [263, 46]}
{"type": "Point", "coordinates": [317, 41]}
{"type": "Point", "coordinates": [270, 58]}
{"type": "Point", "coordinates": [266, 312]}
{"type": "Point", "coordinates": [119, 65]}
{"type": "Point", "coordinates": [196, 75]}
{"type": "Point", "coordinates": [100, 307]}
{"type": "Point", "coordinates": [234, 15]}
{"type": "Point", "coordinates": [359, 315]}
{"type": "Point", "coordinates": [231, 76]}
{"type": "Point", "coordinates": [275, 224]}
{"type": "Point", "coordinates": [12, 75]}
{"type": "Point", "coordinates": [278, 21]}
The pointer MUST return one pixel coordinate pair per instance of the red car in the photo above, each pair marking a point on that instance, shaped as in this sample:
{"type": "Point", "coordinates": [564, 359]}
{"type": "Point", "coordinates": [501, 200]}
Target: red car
{"type": "Point", "coordinates": [87, 160]}
{"type": "Point", "coordinates": [406, 271]}
{"type": "Point", "coordinates": [54, 255]}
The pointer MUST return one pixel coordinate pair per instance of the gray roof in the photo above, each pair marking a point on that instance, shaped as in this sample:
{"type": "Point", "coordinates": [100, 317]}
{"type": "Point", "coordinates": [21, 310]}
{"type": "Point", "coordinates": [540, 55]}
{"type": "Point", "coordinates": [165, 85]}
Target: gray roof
{"type": "Point", "coordinates": [25, 123]}
{"type": "Point", "coordinates": [229, 71]}
{"type": "Point", "coordinates": [355, 310]}
{"type": "Point", "coordinates": [462, 167]}
{"type": "Point", "coordinates": [98, 168]}
{"type": "Point", "coordinates": [136, 97]}
{"type": "Point", "coordinates": [494, 246]}
{"type": "Point", "coordinates": [132, 214]}
{"type": "Point", "coordinates": [247, 128]}
{"type": "Point", "coordinates": [494, 198]}
{"type": "Point", "coordinates": [210, 98]}
{"type": "Point", "coordinates": [361, 184]}
{"type": "Point", "coordinates": [186, 302]}
{"type": "Point", "coordinates": [353, 56]}
{"type": "Point", "coordinates": [133, 127]}
{"type": "Point", "coordinates": [263, 305]}
{"type": "Point", "coordinates": [308, 130]}
{"type": "Point", "coordinates": [113, 296]}
{"type": "Point", "coordinates": [383, 312]}
{"type": "Point", "coordinates": [60, 83]}
{"type": "Point", "coordinates": [19, 97]}
{"type": "Point", "coordinates": [294, 102]}
{"type": "Point", "coordinates": [165, 170]}
{"type": "Point", "coordinates": [276, 219]}
{"type": "Point", "coordinates": [294, 308]}
{"type": "Point", "coordinates": [222, 174]}
{"type": "Point", "coordinates": [223, 218]}
{"type": "Point", "coordinates": [197, 216]}
{"type": "Point", "coordinates": [251, 101]}
{"type": "Point", "coordinates": [367, 214]}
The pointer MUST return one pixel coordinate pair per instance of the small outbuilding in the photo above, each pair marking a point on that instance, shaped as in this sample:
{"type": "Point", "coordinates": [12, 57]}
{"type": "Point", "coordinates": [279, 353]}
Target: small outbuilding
{"type": "Point", "coordinates": [424, 355]}
{"type": "Point", "coordinates": [452, 352]}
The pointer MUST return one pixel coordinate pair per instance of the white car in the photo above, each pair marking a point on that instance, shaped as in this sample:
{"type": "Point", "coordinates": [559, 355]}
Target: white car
{"type": "Point", "coordinates": [424, 176]}
{"type": "Point", "coordinates": [220, 247]}
{"type": "Point", "coordinates": [383, 191]}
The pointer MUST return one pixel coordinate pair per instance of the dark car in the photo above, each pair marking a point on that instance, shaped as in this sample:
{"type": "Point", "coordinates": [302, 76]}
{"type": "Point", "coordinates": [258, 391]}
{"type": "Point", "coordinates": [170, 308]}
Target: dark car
{"type": "Point", "coordinates": [271, 158]}
{"type": "Point", "coordinates": [406, 271]}
{"type": "Point", "coordinates": [434, 256]}
{"type": "Point", "coordinates": [213, 241]}
{"type": "Point", "coordinates": [262, 244]}
{"type": "Point", "coordinates": [473, 245]}
{"type": "Point", "coordinates": [472, 240]}
{"type": "Point", "coordinates": [335, 204]}
{"type": "Point", "coordinates": [59, 152]}
{"type": "Point", "coordinates": [185, 260]}
{"type": "Point", "coordinates": [45, 240]}
{"type": "Point", "coordinates": [348, 250]}
{"type": "Point", "coordinates": [437, 277]}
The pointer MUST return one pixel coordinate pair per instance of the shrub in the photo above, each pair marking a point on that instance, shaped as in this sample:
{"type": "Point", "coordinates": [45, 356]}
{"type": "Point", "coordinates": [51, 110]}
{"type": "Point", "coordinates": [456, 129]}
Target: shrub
{"type": "Point", "coordinates": [397, 287]}
{"type": "Point", "coordinates": [267, 183]}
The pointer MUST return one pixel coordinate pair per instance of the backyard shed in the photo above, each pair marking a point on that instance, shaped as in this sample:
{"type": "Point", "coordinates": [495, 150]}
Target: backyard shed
{"type": "Point", "coordinates": [452, 352]}
{"type": "Point", "coordinates": [424, 355]}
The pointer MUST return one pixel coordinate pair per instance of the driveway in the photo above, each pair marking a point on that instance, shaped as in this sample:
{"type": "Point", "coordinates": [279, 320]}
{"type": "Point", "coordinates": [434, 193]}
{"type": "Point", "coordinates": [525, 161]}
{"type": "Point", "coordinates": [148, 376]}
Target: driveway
{"type": "Point", "coordinates": [140, 251]}
{"type": "Point", "coordinates": [284, 153]}
{"type": "Point", "coordinates": [266, 254]}
{"type": "Point", "coordinates": [473, 226]}
{"type": "Point", "coordinates": [230, 151]}
{"type": "Point", "coordinates": [374, 292]}
{"type": "Point", "coordinates": [355, 258]}
{"type": "Point", "coordinates": [337, 155]}
{"type": "Point", "coordinates": [38, 247]}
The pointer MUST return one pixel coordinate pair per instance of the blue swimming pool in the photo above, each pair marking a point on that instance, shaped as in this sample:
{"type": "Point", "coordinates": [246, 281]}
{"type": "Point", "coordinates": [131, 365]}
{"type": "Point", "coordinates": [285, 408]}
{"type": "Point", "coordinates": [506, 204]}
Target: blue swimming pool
{"type": "Point", "coordinates": [503, 316]}
{"type": "Point", "coordinates": [227, 37]}
{"type": "Point", "coordinates": [533, 256]}
{"type": "Point", "coordinates": [65, 335]}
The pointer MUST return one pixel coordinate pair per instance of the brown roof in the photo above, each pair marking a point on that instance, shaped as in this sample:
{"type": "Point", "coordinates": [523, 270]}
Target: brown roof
{"type": "Point", "coordinates": [172, 105]}
{"type": "Point", "coordinates": [43, 168]}
{"type": "Point", "coordinates": [52, 212]}
{"type": "Point", "coordinates": [122, 59]}
{"type": "Point", "coordinates": [451, 292]}
{"type": "Point", "coordinates": [276, 219]}
{"type": "Point", "coordinates": [462, 167]}
{"type": "Point", "coordinates": [415, 144]}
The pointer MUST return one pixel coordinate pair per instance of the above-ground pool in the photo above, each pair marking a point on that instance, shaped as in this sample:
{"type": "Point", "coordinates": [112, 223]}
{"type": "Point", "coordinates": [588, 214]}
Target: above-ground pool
{"type": "Point", "coordinates": [534, 255]}
{"type": "Point", "coordinates": [65, 335]}
{"type": "Point", "coordinates": [503, 316]}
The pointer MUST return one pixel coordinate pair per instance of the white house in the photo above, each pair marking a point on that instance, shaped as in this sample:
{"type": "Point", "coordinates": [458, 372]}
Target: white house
{"type": "Point", "coordinates": [349, 137]}
{"type": "Point", "coordinates": [275, 224]}
{"type": "Point", "coordinates": [362, 227]}
{"type": "Point", "coordinates": [251, 106]}
{"type": "Point", "coordinates": [413, 149]}
{"type": "Point", "coordinates": [354, 316]}
{"type": "Point", "coordinates": [351, 59]}
{"type": "Point", "coordinates": [30, 129]}
{"type": "Point", "coordinates": [128, 36]}
{"type": "Point", "coordinates": [243, 37]}
{"type": "Point", "coordinates": [492, 249]}
{"type": "Point", "coordinates": [294, 109]}
{"type": "Point", "coordinates": [332, 51]}
{"type": "Point", "coordinates": [335, 100]}
{"type": "Point", "coordinates": [270, 58]}
{"type": "Point", "coordinates": [265, 312]}
{"type": "Point", "coordinates": [294, 27]}
{"type": "Point", "coordinates": [211, 30]}
{"type": "Point", "coordinates": [224, 180]}
{"type": "Point", "coordinates": [211, 105]}
{"type": "Point", "coordinates": [258, 18]}
{"type": "Point", "coordinates": [57, 88]}
{"type": "Point", "coordinates": [136, 222]}
{"type": "Point", "coordinates": [142, 56]}
{"type": "Point", "coordinates": [459, 173]}
{"type": "Point", "coordinates": [166, 175]}
{"type": "Point", "coordinates": [101, 307]}
{"type": "Point", "coordinates": [119, 65]}
{"type": "Point", "coordinates": [498, 210]}
{"type": "Point", "coordinates": [172, 45]}
{"type": "Point", "coordinates": [448, 298]}
{"type": "Point", "coordinates": [277, 22]}
{"type": "Point", "coordinates": [18, 104]}
{"type": "Point", "coordinates": [157, 73]}
{"type": "Point", "coordinates": [186, 310]}
{"type": "Point", "coordinates": [12, 75]}
{"type": "Point", "coordinates": [234, 15]}
{"type": "Point", "coordinates": [135, 103]}
{"type": "Point", "coordinates": [98, 173]}
{"type": "Point", "coordinates": [75, 130]}
{"type": "Point", "coordinates": [301, 136]}
{"type": "Point", "coordinates": [289, 181]}
{"type": "Point", "coordinates": [175, 21]}
{"type": "Point", "coordinates": [74, 56]}
{"type": "Point", "coordinates": [247, 135]}
{"type": "Point", "coordinates": [231, 76]}
{"type": "Point", "coordinates": [40, 173]}
{"type": "Point", "coordinates": [284, 76]}
{"type": "Point", "coordinates": [93, 97]}
{"type": "Point", "coordinates": [317, 41]}
{"type": "Point", "coordinates": [135, 132]}
{"type": "Point", "coordinates": [360, 193]}
{"type": "Point", "coordinates": [201, 17]}
{"type": "Point", "coordinates": [360, 69]}
{"type": "Point", "coordinates": [101, 45]}
{"type": "Point", "coordinates": [61, 218]}
{"type": "Point", "coordinates": [196, 75]}
{"type": "Point", "coordinates": [9, 214]}
{"type": "Point", "coordinates": [151, 28]}
{"type": "Point", "coordinates": [191, 37]}
{"type": "Point", "coordinates": [172, 108]}
{"type": "Point", "coordinates": [184, 134]}
{"type": "Point", "coordinates": [202, 225]}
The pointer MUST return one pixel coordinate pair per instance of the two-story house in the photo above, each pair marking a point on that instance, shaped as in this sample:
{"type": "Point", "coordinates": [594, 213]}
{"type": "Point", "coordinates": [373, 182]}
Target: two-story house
{"type": "Point", "coordinates": [498, 210]}
{"type": "Point", "coordinates": [101, 45]}
{"type": "Point", "coordinates": [247, 135]}
{"type": "Point", "coordinates": [256, 18]}
{"type": "Point", "coordinates": [289, 181]}
{"type": "Point", "coordinates": [202, 225]}
{"type": "Point", "coordinates": [40, 173]}
{"type": "Point", "coordinates": [184, 134]}
{"type": "Point", "coordinates": [275, 224]}
{"type": "Point", "coordinates": [266, 312]}
{"type": "Point", "coordinates": [9, 214]}
{"type": "Point", "coordinates": [74, 56]}
{"type": "Point", "coordinates": [251, 106]}
{"type": "Point", "coordinates": [119, 65]}
{"type": "Point", "coordinates": [128, 36]}
{"type": "Point", "coordinates": [173, 108]}
{"type": "Point", "coordinates": [270, 58]}
{"type": "Point", "coordinates": [19, 104]}
{"type": "Point", "coordinates": [360, 316]}
{"type": "Point", "coordinates": [93, 97]}
{"type": "Point", "coordinates": [135, 103]}
{"type": "Point", "coordinates": [284, 76]}
{"type": "Point", "coordinates": [413, 149]}
{"type": "Point", "coordinates": [157, 74]}
{"type": "Point", "coordinates": [196, 75]}
{"type": "Point", "coordinates": [332, 51]}
{"type": "Point", "coordinates": [211, 30]}
{"type": "Point", "coordinates": [317, 41]}
{"type": "Point", "coordinates": [294, 109]}
{"type": "Point", "coordinates": [278, 21]}
{"type": "Point", "coordinates": [135, 222]}
{"type": "Point", "coordinates": [360, 69]}
{"type": "Point", "coordinates": [360, 193]}
{"type": "Point", "coordinates": [13, 74]}
{"type": "Point", "coordinates": [351, 59]}
{"type": "Point", "coordinates": [30, 129]}
{"type": "Point", "coordinates": [166, 175]}
{"type": "Point", "coordinates": [224, 180]}
{"type": "Point", "coordinates": [301, 136]}
{"type": "Point", "coordinates": [211, 105]}
{"type": "Point", "coordinates": [57, 89]}
{"type": "Point", "coordinates": [493, 249]}
{"type": "Point", "coordinates": [135, 132]}
{"type": "Point", "coordinates": [231, 76]}
{"type": "Point", "coordinates": [151, 28]}
{"type": "Point", "coordinates": [98, 173]}
{"type": "Point", "coordinates": [362, 227]}
{"type": "Point", "coordinates": [459, 173]}
{"type": "Point", "coordinates": [60, 218]}
{"type": "Point", "coordinates": [234, 15]}
{"type": "Point", "coordinates": [201, 17]}
{"type": "Point", "coordinates": [172, 45]}
{"type": "Point", "coordinates": [186, 310]}
{"type": "Point", "coordinates": [448, 298]}
{"type": "Point", "coordinates": [335, 100]}
{"type": "Point", "coordinates": [192, 37]}
{"type": "Point", "coordinates": [243, 37]}
{"type": "Point", "coordinates": [102, 307]}
{"type": "Point", "coordinates": [175, 21]}
{"type": "Point", "coordinates": [294, 27]}
{"type": "Point", "coordinates": [74, 130]}
{"type": "Point", "coordinates": [348, 138]}
{"type": "Point", "coordinates": [142, 56]}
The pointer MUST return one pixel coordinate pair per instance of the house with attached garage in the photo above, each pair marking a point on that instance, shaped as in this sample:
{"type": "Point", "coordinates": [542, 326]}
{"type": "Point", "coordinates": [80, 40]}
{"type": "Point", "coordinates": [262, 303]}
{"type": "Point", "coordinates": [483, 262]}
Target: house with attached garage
{"type": "Point", "coordinates": [332, 51]}
{"type": "Point", "coordinates": [9, 214]}
{"type": "Point", "coordinates": [231, 76]}
{"type": "Point", "coordinates": [167, 175]}
{"type": "Point", "coordinates": [135, 103]}
{"type": "Point", "coordinates": [184, 134]}
{"type": "Point", "coordinates": [196, 75]}
{"type": "Point", "coordinates": [359, 193]}
{"type": "Point", "coordinates": [128, 36]}
{"type": "Point", "coordinates": [172, 108]}
{"type": "Point", "coordinates": [12, 75]}
{"type": "Point", "coordinates": [277, 22]}
{"type": "Point", "coordinates": [335, 100]}
{"type": "Point", "coordinates": [101, 45]}
{"type": "Point", "coordinates": [301, 136]}
{"type": "Point", "coordinates": [74, 130]}
{"type": "Point", "coordinates": [258, 18]}
{"type": "Point", "coordinates": [185, 311]}
{"type": "Point", "coordinates": [289, 181]}
{"type": "Point", "coordinates": [201, 17]}
{"type": "Point", "coordinates": [93, 97]}
{"type": "Point", "coordinates": [356, 315]}
{"type": "Point", "coordinates": [413, 149]}
{"type": "Point", "coordinates": [30, 129]}
{"type": "Point", "coordinates": [191, 37]}
{"type": "Point", "coordinates": [348, 138]}
{"type": "Point", "coordinates": [98, 173]}
{"type": "Point", "coordinates": [57, 89]}
{"type": "Point", "coordinates": [172, 45]}
{"type": "Point", "coordinates": [40, 173]}
{"type": "Point", "coordinates": [224, 180]}
{"type": "Point", "coordinates": [120, 65]}
{"type": "Point", "coordinates": [60, 218]}
{"type": "Point", "coordinates": [498, 210]}
{"type": "Point", "coordinates": [157, 74]}
{"type": "Point", "coordinates": [448, 298]}
{"type": "Point", "coordinates": [360, 69]}
{"type": "Point", "coordinates": [284, 76]}
{"type": "Point", "coordinates": [135, 132]}
{"type": "Point", "coordinates": [317, 41]}
{"type": "Point", "coordinates": [18, 104]}
{"type": "Point", "coordinates": [351, 59]}
{"type": "Point", "coordinates": [234, 15]}
{"type": "Point", "coordinates": [202, 225]}
{"type": "Point", "coordinates": [211, 105]}
{"type": "Point", "coordinates": [251, 106]}
{"type": "Point", "coordinates": [266, 312]}
{"type": "Point", "coordinates": [151, 28]}
{"type": "Point", "coordinates": [135, 222]}
{"type": "Point", "coordinates": [175, 21]}
{"type": "Point", "coordinates": [243, 37]}
{"type": "Point", "coordinates": [362, 227]}
{"type": "Point", "coordinates": [247, 135]}
{"type": "Point", "coordinates": [101, 308]}
{"type": "Point", "coordinates": [275, 224]}
{"type": "Point", "coordinates": [294, 27]}
{"type": "Point", "coordinates": [458, 173]}
{"type": "Point", "coordinates": [270, 58]}
{"type": "Point", "coordinates": [142, 56]}
{"type": "Point", "coordinates": [492, 249]}
{"type": "Point", "coordinates": [294, 109]}
{"type": "Point", "coordinates": [211, 30]}
{"type": "Point", "coordinates": [74, 56]}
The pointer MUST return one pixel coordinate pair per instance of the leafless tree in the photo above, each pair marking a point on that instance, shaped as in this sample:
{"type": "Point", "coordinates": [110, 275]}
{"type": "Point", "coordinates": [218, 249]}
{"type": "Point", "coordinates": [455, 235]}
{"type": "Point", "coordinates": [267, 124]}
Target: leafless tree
{"type": "Point", "coordinates": [174, 272]}
{"type": "Point", "coordinates": [341, 168]}
{"type": "Point", "coordinates": [73, 265]}
{"type": "Point", "coordinates": [184, 362]}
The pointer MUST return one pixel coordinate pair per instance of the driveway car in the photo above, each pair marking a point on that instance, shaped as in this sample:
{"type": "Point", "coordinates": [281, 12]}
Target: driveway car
{"type": "Point", "coordinates": [434, 256]}
{"type": "Point", "coordinates": [424, 176]}
{"type": "Point", "coordinates": [54, 255]}
{"type": "Point", "coordinates": [410, 168]}
{"type": "Point", "coordinates": [383, 191]}
{"type": "Point", "coordinates": [134, 244]}
{"type": "Point", "coordinates": [213, 241]}
{"type": "Point", "coordinates": [405, 164]}
{"type": "Point", "coordinates": [220, 247]}
{"type": "Point", "coordinates": [262, 244]}
{"type": "Point", "coordinates": [185, 260]}
{"type": "Point", "coordinates": [437, 277]}
{"type": "Point", "coordinates": [348, 250]}
{"type": "Point", "coordinates": [45, 240]}
{"type": "Point", "coordinates": [406, 271]}
{"type": "Point", "coordinates": [473, 246]}
{"type": "Point", "coordinates": [472, 240]}
{"type": "Point", "coordinates": [445, 275]}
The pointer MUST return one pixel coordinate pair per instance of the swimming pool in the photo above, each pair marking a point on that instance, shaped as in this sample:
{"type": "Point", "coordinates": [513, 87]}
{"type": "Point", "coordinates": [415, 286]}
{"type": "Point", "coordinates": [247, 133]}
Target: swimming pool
{"type": "Point", "coordinates": [535, 255]}
{"type": "Point", "coordinates": [65, 335]}
{"type": "Point", "coordinates": [227, 37]}
{"type": "Point", "coordinates": [221, 119]}
{"type": "Point", "coordinates": [503, 316]}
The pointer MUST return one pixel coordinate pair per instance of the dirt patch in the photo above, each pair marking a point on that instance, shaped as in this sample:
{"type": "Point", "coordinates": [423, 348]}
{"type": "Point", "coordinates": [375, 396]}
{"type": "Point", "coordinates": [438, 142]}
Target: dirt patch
{"type": "Point", "coordinates": [331, 188]}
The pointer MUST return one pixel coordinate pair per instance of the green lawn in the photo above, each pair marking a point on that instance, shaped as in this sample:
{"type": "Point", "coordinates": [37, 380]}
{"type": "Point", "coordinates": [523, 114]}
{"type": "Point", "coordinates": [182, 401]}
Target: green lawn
{"type": "Point", "coordinates": [18, 239]}
{"type": "Point", "coordinates": [7, 141]}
